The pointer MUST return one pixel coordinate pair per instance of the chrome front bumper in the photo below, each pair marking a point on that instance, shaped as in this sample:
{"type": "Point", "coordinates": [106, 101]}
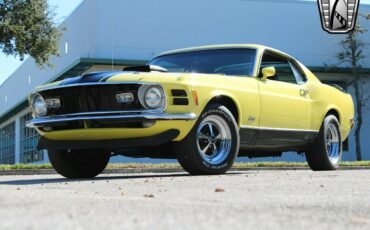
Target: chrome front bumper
{"type": "Point", "coordinates": [51, 121]}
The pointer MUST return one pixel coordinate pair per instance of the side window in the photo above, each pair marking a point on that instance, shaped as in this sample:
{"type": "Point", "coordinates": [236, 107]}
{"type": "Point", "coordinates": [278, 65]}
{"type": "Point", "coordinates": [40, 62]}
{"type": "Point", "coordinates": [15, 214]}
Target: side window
{"type": "Point", "coordinates": [284, 71]}
{"type": "Point", "coordinates": [298, 74]}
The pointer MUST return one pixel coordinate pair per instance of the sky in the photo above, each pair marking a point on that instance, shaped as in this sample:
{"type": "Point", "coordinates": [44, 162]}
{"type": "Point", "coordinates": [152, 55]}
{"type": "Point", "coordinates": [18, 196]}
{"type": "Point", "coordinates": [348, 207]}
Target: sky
{"type": "Point", "coordinates": [62, 8]}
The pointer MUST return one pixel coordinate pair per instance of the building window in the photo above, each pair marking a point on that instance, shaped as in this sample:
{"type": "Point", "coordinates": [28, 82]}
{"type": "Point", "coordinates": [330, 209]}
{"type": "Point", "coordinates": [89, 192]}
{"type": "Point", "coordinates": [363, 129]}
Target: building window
{"type": "Point", "coordinates": [29, 140]}
{"type": "Point", "coordinates": [7, 144]}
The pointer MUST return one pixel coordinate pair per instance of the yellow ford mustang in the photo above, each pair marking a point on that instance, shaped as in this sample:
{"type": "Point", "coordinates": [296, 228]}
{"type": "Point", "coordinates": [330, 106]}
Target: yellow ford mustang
{"type": "Point", "coordinates": [203, 106]}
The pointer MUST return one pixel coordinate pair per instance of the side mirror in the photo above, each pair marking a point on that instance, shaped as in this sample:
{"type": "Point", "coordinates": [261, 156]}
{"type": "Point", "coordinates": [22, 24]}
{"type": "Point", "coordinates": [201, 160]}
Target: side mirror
{"type": "Point", "coordinates": [268, 72]}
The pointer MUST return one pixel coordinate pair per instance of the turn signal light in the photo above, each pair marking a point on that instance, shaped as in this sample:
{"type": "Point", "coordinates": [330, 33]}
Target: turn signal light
{"type": "Point", "coordinates": [125, 97]}
{"type": "Point", "coordinates": [352, 123]}
{"type": "Point", "coordinates": [53, 103]}
{"type": "Point", "coordinates": [195, 96]}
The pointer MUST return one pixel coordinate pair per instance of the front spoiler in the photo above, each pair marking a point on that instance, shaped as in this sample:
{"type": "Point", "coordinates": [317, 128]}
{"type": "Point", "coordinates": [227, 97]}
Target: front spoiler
{"type": "Point", "coordinates": [112, 145]}
{"type": "Point", "coordinates": [60, 120]}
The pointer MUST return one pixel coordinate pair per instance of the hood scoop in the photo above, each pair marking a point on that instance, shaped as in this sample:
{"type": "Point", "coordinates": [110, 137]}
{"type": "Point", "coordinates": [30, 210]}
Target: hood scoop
{"type": "Point", "coordinates": [145, 68]}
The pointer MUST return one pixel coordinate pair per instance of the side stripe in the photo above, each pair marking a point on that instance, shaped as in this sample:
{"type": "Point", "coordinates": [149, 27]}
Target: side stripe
{"type": "Point", "coordinates": [278, 129]}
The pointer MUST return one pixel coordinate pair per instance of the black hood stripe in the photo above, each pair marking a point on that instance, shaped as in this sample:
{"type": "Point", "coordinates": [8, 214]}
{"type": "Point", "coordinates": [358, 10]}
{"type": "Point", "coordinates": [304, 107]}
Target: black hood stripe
{"type": "Point", "coordinates": [89, 78]}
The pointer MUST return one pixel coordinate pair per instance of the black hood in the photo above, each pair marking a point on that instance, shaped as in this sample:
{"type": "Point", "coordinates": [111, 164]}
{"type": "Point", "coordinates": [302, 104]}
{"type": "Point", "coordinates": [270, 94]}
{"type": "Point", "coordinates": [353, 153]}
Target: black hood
{"type": "Point", "coordinates": [89, 78]}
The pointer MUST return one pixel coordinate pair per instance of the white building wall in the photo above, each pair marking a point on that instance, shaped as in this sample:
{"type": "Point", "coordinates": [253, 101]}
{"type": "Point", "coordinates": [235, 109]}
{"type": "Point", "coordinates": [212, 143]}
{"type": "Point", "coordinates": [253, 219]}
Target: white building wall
{"type": "Point", "coordinates": [141, 29]}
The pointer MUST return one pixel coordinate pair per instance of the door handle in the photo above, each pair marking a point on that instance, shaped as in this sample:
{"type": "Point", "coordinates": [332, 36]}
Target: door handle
{"type": "Point", "coordinates": [303, 92]}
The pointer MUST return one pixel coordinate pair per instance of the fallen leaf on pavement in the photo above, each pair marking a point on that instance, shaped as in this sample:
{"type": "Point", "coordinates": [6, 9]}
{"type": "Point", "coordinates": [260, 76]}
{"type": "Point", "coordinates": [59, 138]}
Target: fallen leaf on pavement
{"type": "Point", "coordinates": [219, 190]}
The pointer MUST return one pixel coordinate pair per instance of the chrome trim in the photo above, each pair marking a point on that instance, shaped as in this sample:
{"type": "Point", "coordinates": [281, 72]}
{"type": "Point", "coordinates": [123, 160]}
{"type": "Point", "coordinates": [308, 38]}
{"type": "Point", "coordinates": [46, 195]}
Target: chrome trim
{"type": "Point", "coordinates": [333, 144]}
{"type": "Point", "coordinates": [215, 47]}
{"type": "Point", "coordinates": [42, 122]}
{"type": "Point", "coordinates": [142, 91]}
{"type": "Point", "coordinates": [31, 99]}
{"type": "Point", "coordinates": [104, 112]}
{"type": "Point", "coordinates": [214, 145]}
{"type": "Point", "coordinates": [33, 94]}
{"type": "Point", "coordinates": [278, 129]}
{"type": "Point", "coordinates": [96, 83]}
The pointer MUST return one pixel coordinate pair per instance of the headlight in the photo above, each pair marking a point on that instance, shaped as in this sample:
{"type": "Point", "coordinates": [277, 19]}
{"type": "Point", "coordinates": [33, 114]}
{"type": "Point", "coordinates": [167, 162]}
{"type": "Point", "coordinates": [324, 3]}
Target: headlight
{"type": "Point", "coordinates": [152, 97]}
{"type": "Point", "coordinates": [39, 106]}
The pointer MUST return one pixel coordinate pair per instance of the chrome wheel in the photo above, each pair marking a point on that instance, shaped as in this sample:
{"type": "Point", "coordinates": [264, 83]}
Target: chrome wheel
{"type": "Point", "coordinates": [332, 143]}
{"type": "Point", "coordinates": [325, 153]}
{"type": "Point", "coordinates": [213, 139]}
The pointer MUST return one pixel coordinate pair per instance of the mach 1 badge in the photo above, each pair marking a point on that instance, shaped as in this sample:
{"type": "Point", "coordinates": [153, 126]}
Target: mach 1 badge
{"type": "Point", "coordinates": [338, 16]}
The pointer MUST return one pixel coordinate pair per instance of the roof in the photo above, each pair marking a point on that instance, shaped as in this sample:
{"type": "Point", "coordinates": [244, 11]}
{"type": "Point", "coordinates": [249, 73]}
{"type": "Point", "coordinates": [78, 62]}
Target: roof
{"type": "Point", "coordinates": [324, 69]}
{"type": "Point", "coordinates": [220, 46]}
{"type": "Point", "coordinates": [223, 46]}
{"type": "Point", "coordinates": [210, 47]}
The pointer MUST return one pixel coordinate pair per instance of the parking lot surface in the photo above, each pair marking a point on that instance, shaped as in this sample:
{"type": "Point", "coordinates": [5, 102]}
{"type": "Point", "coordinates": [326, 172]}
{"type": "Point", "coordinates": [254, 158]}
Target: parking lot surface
{"type": "Point", "coordinates": [267, 199]}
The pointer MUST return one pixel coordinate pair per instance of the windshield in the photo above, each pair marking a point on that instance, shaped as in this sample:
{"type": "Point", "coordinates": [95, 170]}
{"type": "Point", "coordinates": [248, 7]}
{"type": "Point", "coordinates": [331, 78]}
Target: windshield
{"type": "Point", "coordinates": [236, 62]}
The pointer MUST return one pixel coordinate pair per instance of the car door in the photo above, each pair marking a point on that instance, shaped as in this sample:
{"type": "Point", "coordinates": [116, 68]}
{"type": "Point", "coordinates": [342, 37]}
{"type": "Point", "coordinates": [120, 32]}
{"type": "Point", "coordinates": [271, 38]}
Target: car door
{"type": "Point", "coordinates": [285, 104]}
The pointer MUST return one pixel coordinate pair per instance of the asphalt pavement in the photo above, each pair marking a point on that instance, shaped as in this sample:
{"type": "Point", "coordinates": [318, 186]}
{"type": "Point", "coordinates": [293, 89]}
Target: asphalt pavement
{"type": "Point", "coordinates": [268, 199]}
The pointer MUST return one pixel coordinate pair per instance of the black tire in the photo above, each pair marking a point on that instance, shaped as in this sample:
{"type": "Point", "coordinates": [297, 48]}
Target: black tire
{"type": "Point", "coordinates": [79, 164]}
{"type": "Point", "coordinates": [321, 156]}
{"type": "Point", "coordinates": [188, 151]}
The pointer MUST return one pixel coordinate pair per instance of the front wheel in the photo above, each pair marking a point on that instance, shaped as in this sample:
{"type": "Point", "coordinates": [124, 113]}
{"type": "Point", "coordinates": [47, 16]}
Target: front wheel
{"type": "Point", "coordinates": [326, 151]}
{"type": "Point", "coordinates": [212, 144]}
{"type": "Point", "coordinates": [79, 164]}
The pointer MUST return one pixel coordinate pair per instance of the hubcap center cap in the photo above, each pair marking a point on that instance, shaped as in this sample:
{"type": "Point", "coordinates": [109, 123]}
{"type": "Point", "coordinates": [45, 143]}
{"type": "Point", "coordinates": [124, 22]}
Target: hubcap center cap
{"type": "Point", "coordinates": [213, 140]}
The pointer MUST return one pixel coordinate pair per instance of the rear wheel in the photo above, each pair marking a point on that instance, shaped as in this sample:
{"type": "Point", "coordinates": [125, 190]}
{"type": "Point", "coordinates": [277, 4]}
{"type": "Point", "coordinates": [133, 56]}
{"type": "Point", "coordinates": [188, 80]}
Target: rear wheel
{"type": "Point", "coordinates": [212, 144]}
{"type": "Point", "coordinates": [326, 151]}
{"type": "Point", "coordinates": [78, 164]}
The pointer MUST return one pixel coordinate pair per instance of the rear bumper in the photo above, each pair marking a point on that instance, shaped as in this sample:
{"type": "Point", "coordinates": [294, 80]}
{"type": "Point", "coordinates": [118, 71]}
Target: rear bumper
{"type": "Point", "coordinates": [112, 145]}
{"type": "Point", "coordinates": [60, 120]}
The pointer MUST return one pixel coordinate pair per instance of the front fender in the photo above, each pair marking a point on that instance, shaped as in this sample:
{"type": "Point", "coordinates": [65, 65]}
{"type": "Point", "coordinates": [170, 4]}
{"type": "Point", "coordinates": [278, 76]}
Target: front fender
{"type": "Point", "coordinates": [215, 94]}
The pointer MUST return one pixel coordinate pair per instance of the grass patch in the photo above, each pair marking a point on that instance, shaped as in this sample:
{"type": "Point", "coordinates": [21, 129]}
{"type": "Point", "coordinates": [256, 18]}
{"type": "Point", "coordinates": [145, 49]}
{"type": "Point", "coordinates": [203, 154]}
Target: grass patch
{"type": "Point", "coordinates": [175, 165]}
{"type": "Point", "coordinates": [355, 163]}
{"type": "Point", "coordinates": [25, 166]}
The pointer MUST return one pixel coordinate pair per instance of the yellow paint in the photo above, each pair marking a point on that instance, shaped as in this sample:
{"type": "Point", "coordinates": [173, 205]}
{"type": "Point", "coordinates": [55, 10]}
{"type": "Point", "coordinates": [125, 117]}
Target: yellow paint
{"type": "Point", "coordinates": [279, 105]}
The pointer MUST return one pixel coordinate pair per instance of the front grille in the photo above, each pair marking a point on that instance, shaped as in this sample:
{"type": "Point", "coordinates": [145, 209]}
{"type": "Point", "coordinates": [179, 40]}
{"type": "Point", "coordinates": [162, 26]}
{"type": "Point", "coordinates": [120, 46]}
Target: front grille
{"type": "Point", "coordinates": [92, 98]}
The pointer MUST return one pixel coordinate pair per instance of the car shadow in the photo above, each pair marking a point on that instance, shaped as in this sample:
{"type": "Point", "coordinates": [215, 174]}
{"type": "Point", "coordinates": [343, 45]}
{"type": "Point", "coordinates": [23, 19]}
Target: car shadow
{"type": "Point", "coordinates": [99, 178]}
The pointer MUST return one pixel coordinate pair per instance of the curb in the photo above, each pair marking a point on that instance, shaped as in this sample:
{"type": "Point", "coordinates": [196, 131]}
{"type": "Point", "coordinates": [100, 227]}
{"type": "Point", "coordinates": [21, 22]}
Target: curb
{"type": "Point", "coordinates": [159, 170]}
